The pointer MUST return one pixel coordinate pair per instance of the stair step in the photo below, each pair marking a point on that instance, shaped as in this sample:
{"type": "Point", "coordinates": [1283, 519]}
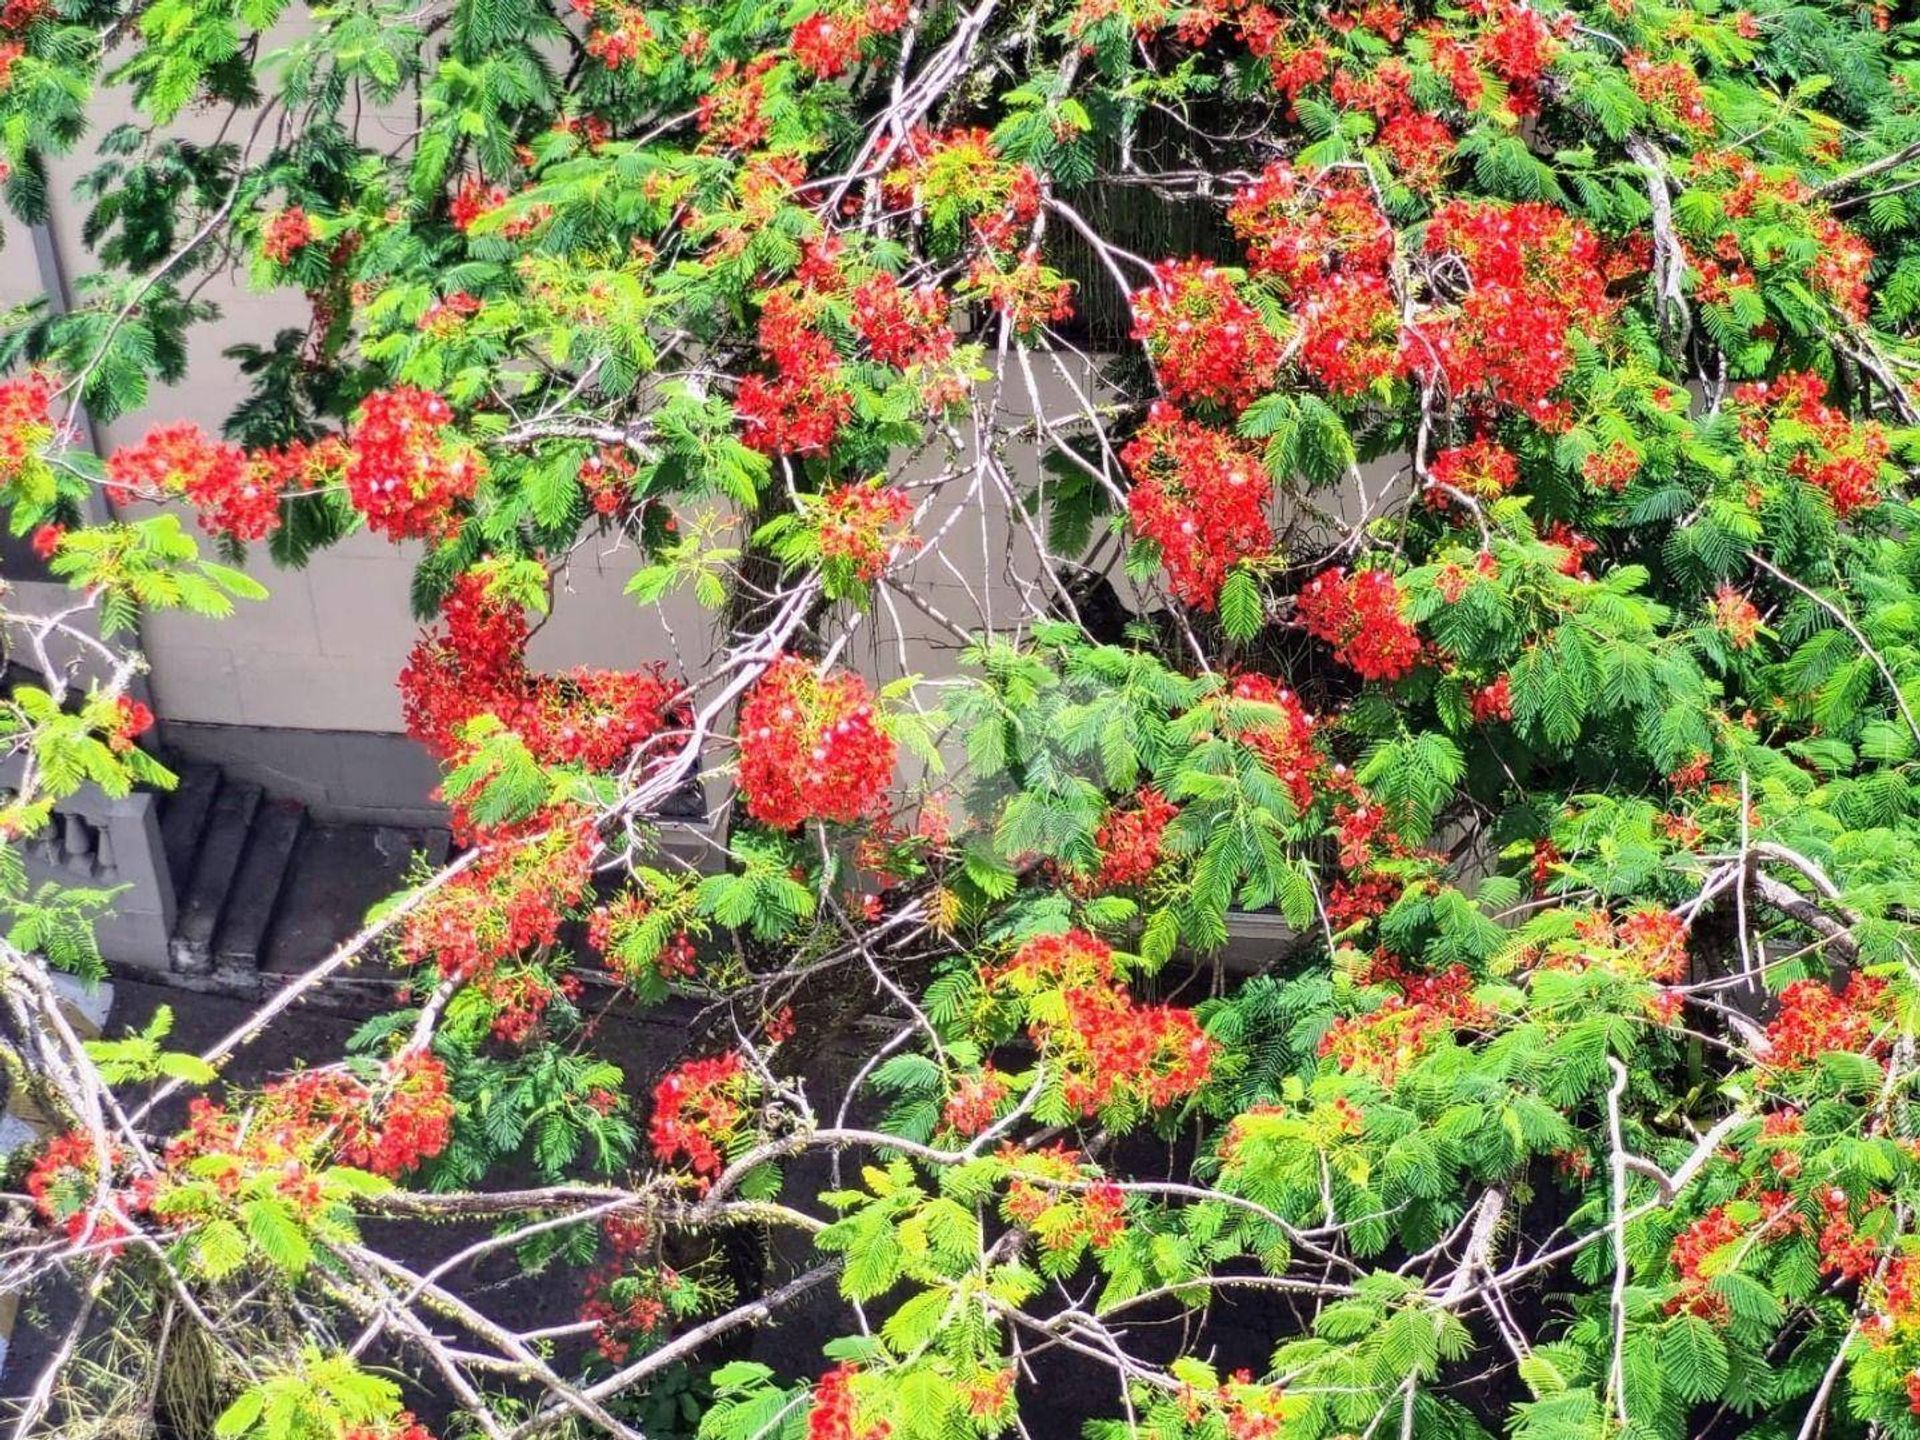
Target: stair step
{"type": "Point", "coordinates": [258, 883]}
{"type": "Point", "coordinates": [221, 850]}
{"type": "Point", "coordinates": [183, 819]}
{"type": "Point", "coordinates": [338, 872]}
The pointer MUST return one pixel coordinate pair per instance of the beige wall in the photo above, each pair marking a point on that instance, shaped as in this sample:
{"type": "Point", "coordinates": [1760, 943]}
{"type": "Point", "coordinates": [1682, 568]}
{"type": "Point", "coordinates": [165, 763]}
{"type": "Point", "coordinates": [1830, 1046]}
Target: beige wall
{"type": "Point", "coordinates": [324, 650]}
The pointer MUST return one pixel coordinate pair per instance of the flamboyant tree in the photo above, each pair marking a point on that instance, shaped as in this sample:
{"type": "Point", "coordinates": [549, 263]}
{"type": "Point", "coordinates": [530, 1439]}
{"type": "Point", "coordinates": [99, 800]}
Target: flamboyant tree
{"type": "Point", "coordinates": [1437, 472]}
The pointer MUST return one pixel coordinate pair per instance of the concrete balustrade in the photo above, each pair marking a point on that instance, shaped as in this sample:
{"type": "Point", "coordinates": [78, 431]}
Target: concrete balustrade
{"type": "Point", "coordinates": [98, 842]}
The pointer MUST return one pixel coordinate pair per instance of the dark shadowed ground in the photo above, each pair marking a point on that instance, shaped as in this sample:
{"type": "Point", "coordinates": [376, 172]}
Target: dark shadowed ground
{"type": "Point", "coordinates": [1235, 1335]}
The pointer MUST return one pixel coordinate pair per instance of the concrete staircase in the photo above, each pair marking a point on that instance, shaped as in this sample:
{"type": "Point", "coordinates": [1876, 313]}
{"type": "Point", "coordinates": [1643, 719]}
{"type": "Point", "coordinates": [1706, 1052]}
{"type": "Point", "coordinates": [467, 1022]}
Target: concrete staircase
{"type": "Point", "coordinates": [260, 886]}
{"type": "Point", "coordinates": [263, 890]}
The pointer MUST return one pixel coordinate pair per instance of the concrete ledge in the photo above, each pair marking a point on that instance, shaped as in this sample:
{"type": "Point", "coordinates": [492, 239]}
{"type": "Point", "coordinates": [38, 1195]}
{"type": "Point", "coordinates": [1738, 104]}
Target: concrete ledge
{"type": "Point", "coordinates": [339, 775]}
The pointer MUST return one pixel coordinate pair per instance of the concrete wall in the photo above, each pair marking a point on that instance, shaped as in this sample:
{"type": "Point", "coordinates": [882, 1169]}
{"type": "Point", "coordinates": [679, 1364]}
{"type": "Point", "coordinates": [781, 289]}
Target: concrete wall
{"type": "Point", "coordinates": [320, 656]}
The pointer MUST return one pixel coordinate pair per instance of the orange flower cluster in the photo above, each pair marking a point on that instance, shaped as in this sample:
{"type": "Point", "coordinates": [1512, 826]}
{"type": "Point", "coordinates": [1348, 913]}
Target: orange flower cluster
{"type": "Point", "coordinates": [1108, 1048]}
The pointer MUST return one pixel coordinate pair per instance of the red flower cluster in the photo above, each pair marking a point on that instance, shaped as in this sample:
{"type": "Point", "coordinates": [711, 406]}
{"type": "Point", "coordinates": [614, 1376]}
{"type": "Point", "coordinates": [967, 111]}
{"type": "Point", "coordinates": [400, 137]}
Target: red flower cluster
{"type": "Point", "coordinates": [1828, 450]}
{"type": "Point", "coordinates": [1655, 941]}
{"type": "Point", "coordinates": [1692, 1248]}
{"type": "Point", "coordinates": [406, 471]}
{"type": "Point", "coordinates": [864, 526]}
{"type": "Point", "coordinates": [1367, 889]}
{"type": "Point", "coordinates": [1385, 1042]}
{"type": "Point", "coordinates": [1112, 1049]}
{"type": "Point", "coordinates": [1062, 1219]}
{"type": "Point", "coordinates": [1648, 945]}
{"type": "Point", "coordinates": [174, 459]}
{"type": "Point", "coordinates": [286, 233]}
{"type": "Point", "coordinates": [475, 664]}
{"type": "Point", "coordinates": [799, 409]}
{"type": "Point", "coordinates": [1453, 580]}
{"type": "Point", "coordinates": [698, 1110]}
{"type": "Point", "coordinates": [1201, 495]}
{"type": "Point", "coordinates": [1839, 271]}
{"type": "Point", "coordinates": [519, 996]}
{"type": "Point", "coordinates": [1841, 260]}
{"type": "Point", "coordinates": [18, 16]}
{"type": "Point", "coordinates": [1541, 867]}
{"type": "Point", "coordinates": [1813, 1020]}
{"type": "Point", "coordinates": [732, 112]}
{"type": "Point", "coordinates": [235, 495]}
{"type": "Point", "coordinates": [1612, 468]}
{"type": "Point", "coordinates": [594, 718]}
{"type": "Point", "coordinates": [513, 899]}
{"type": "Point", "coordinates": [970, 1107]}
{"type": "Point", "coordinates": [474, 198]}
{"type": "Point", "coordinates": [1672, 90]}
{"type": "Point", "coordinates": [1735, 617]}
{"type": "Point", "coordinates": [1209, 346]}
{"type": "Point", "coordinates": [131, 720]}
{"type": "Point", "coordinates": [1330, 248]}
{"type": "Point", "coordinates": [402, 1426]}
{"type": "Point", "coordinates": [1053, 962]}
{"type": "Point", "coordinates": [1453, 62]}
{"type": "Point", "coordinates": [1519, 46]}
{"type": "Point", "coordinates": [26, 419]}
{"type": "Point", "coordinates": [250, 509]}
{"type": "Point", "coordinates": [315, 1118]}
{"type": "Point", "coordinates": [444, 317]}
{"type": "Point", "coordinates": [418, 1123]}
{"type": "Point", "coordinates": [1029, 295]}
{"type": "Point", "coordinates": [606, 476]}
{"type": "Point", "coordinates": [1563, 536]}
{"type": "Point", "coordinates": [1353, 335]}
{"type": "Point", "coordinates": [1899, 1298]}
{"type": "Point", "coordinates": [1361, 897]}
{"type": "Point", "coordinates": [620, 32]}
{"type": "Point", "coordinates": [827, 43]}
{"type": "Point", "coordinates": [1362, 830]}
{"type": "Point", "coordinates": [1535, 274]}
{"type": "Point", "coordinates": [309, 1115]}
{"type": "Point", "coordinates": [626, 1302]}
{"type": "Point", "coordinates": [1359, 615]}
{"type": "Point", "coordinates": [1293, 66]}
{"type": "Point", "coordinates": [1481, 470]}
{"type": "Point", "coordinates": [1492, 702]}
{"type": "Point", "coordinates": [1382, 90]}
{"type": "Point", "coordinates": [833, 1415]}
{"type": "Point", "coordinates": [1107, 1047]}
{"type": "Point", "coordinates": [1692, 773]}
{"type": "Point", "coordinates": [1844, 1252]}
{"type": "Point", "coordinates": [1420, 147]}
{"type": "Point", "coordinates": [1286, 745]}
{"type": "Point", "coordinates": [902, 327]}
{"type": "Point", "coordinates": [1300, 232]}
{"type": "Point", "coordinates": [619, 1324]}
{"type": "Point", "coordinates": [63, 1182]}
{"type": "Point", "coordinates": [612, 927]}
{"type": "Point", "coordinates": [812, 747]}
{"type": "Point", "coordinates": [1129, 840]}
{"type": "Point", "coordinates": [1757, 1217]}
{"type": "Point", "coordinates": [961, 172]}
